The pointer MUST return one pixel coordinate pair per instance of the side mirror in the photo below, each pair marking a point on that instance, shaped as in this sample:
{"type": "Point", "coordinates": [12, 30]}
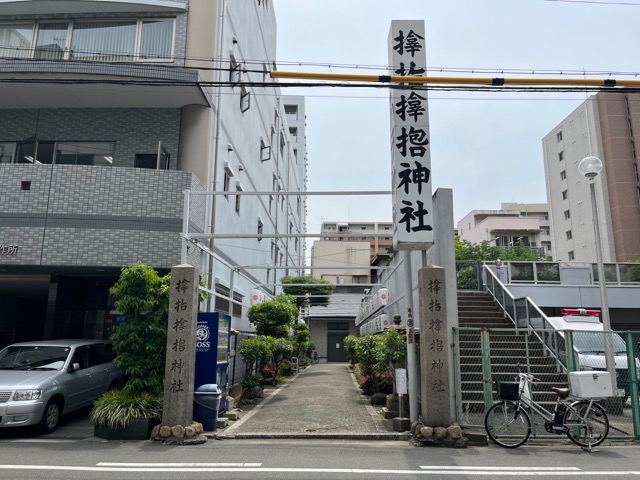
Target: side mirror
{"type": "Point", "coordinates": [74, 367]}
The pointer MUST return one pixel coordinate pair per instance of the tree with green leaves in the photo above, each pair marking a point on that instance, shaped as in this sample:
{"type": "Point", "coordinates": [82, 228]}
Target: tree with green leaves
{"type": "Point", "coordinates": [274, 318]}
{"type": "Point", "coordinates": [140, 342]}
{"type": "Point", "coordinates": [302, 339]}
{"type": "Point", "coordinates": [319, 290]}
{"type": "Point", "coordinates": [483, 251]}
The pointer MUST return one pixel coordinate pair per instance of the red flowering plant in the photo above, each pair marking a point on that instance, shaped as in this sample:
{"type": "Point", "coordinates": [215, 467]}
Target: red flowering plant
{"type": "Point", "coordinates": [381, 382]}
{"type": "Point", "coordinates": [270, 370]}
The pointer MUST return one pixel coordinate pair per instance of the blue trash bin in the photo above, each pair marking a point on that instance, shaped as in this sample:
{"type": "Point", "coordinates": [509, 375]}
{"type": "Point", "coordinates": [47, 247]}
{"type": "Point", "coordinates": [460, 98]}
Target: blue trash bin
{"type": "Point", "coordinates": [206, 402]}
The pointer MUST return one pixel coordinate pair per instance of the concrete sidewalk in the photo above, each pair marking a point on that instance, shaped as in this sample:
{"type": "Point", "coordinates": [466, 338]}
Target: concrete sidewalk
{"type": "Point", "coordinates": [322, 401]}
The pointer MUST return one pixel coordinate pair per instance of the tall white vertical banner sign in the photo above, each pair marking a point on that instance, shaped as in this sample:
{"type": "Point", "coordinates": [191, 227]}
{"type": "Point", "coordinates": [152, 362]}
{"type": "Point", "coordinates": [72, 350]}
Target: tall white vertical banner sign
{"type": "Point", "coordinates": [410, 151]}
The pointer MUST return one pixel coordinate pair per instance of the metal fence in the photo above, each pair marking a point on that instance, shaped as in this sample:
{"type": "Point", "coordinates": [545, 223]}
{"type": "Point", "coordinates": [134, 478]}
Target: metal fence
{"type": "Point", "coordinates": [469, 277]}
{"type": "Point", "coordinates": [484, 356]}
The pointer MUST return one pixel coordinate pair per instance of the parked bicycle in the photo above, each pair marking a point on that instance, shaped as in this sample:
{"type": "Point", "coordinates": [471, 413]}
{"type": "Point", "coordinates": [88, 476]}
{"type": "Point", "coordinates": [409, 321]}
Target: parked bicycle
{"type": "Point", "coordinates": [314, 357]}
{"type": "Point", "coordinates": [508, 422]}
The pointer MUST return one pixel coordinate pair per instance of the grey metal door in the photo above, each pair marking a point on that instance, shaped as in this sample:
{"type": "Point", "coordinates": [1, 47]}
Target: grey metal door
{"type": "Point", "coordinates": [335, 347]}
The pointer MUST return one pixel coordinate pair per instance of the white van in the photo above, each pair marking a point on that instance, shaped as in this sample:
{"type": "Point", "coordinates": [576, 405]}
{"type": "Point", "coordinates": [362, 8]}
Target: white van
{"type": "Point", "coordinates": [42, 380]}
{"type": "Point", "coordinates": [589, 347]}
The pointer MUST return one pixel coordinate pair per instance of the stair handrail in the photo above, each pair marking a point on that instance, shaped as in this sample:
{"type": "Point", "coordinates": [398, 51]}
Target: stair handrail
{"type": "Point", "coordinates": [500, 294]}
{"type": "Point", "coordinates": [524, 313]}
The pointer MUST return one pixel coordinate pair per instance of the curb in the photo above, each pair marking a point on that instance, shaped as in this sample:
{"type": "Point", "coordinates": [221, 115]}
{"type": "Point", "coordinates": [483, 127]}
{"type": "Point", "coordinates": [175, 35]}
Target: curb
{"type": "Point", "coordinates": [404, 436]}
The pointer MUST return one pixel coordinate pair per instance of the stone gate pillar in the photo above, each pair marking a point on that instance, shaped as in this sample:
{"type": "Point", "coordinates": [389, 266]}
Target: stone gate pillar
{"type": "Point", "coordinates": [435, 391]}
{"type": "Point", "coordinates": [181, 346]}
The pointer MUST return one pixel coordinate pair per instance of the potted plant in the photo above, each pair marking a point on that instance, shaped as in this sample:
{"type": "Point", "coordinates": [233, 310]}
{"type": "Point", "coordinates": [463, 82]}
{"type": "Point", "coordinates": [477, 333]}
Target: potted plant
{"type": "Point", "coordinates": [140, 343]}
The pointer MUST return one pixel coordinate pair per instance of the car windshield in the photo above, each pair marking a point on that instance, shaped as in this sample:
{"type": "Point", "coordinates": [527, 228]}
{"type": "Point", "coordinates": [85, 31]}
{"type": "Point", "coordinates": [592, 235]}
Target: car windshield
{"type": "Point", "coordinates": [593, 342]}
{"type": "Point", "coordinates": [33, 357]}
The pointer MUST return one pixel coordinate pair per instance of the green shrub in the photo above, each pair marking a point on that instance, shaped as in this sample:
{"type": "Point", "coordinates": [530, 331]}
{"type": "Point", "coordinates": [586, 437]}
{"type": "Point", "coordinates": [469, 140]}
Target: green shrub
{"type": "Point", "coordinates": [251, 381]}
{"type": "Point", "coordinates": [286, 368]}
{"type": "Point", "coordinates": [118, 408]}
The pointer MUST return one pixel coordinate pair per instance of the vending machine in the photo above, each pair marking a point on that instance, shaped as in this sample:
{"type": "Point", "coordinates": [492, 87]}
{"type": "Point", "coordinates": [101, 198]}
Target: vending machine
{"type": "Point", "coordinates": [212, 352]}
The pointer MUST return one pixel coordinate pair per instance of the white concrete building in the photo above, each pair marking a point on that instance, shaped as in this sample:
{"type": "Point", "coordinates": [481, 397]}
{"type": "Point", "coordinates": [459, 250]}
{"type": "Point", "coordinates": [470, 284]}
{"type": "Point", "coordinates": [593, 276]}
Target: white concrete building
{"type": "Point", "coordinates": [115, 109]}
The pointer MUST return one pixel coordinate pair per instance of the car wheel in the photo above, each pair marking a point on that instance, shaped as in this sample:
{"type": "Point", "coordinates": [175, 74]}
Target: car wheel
{"type": "Point", "coordinates": [50, 417]}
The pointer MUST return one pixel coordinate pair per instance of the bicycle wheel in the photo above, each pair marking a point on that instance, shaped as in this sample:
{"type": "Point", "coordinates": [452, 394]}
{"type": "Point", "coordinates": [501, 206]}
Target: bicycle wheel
{"type": "Point", "coordinates": [586, 426]}
{"type": "Point", "coordinates": [507, 425]}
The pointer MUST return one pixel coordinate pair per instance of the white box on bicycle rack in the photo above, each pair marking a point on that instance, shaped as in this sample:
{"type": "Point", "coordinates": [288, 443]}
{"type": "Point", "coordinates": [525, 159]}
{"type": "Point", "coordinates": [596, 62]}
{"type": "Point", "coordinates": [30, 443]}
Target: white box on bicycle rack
{"type": "Point", "coordinates": [591, 384]}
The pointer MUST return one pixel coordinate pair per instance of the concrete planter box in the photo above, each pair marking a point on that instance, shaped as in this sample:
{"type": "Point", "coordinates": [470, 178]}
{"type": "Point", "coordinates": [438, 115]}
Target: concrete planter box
{"type": "Point", "coordinates": [139, 429]}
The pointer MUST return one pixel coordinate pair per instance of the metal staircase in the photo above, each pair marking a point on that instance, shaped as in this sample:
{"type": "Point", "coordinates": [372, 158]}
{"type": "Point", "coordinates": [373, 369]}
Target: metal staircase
{"type": "Point", "coordinates": [509, 351]}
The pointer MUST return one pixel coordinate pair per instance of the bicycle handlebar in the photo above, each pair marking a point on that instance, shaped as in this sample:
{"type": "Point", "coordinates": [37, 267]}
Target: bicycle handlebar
{"type": "Point", "coordinates": [529, 377]}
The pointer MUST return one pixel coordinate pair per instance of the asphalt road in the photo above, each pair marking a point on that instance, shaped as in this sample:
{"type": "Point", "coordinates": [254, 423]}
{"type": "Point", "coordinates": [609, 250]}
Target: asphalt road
{"type": "Point", "coordinates": [50, 458]}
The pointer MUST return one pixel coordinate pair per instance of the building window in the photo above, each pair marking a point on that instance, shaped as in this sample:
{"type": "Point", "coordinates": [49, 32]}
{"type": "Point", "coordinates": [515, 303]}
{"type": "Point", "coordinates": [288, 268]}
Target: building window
{"type": "Point", "coordinates": [563, 175]}
{"type": "Point", "coordinates": [571, 255]}
{"type": "Point", "coordinates": [227, 180]}
{"type": "Point", "coordinates": [238, 197]}
{"type": "Point", "coordinates": [7, 150]}
{"type": "Point", "coordinates": [228, 173]}
{"type": "Point", "coordinates": [559, 136]}
{"type": "Point", "coordinates": [567, 214]}
{"type": "Point", "coordinates": [16, 39]}
{"type": "Point", "coordinates": [146, 160]}
{"type": "Point", "coordinates": [66, 153]}
{"type": "Point", "coordinates": [245, 99]}
{"type": "Point", "coordinates": [291, 111]}
{"type": "Point", "coordinates": [260, 229]}
{"type": "Point", "coordinates": [295, 155]}
{"type": "Point", "coordinates": [270, 204]}
{"type": "Point", "coordinates": [544, 232]}
{"type": "Point", "coordinates": [569, 235]}
{"type": "Point", "coordinates": [293, 131]}
{"type": "Point", "coordinates": [265, 151]}
{"type": "Point", "coordinates": [343, 326]}
{"type": "Point", "coordinates": [561, 156]}
{"type": "Point", "coordinates": [90, 40]}
{"type": "Point", "coordinates": [565, 194]}
{"type": "Point", "coordinates": [235, 74]}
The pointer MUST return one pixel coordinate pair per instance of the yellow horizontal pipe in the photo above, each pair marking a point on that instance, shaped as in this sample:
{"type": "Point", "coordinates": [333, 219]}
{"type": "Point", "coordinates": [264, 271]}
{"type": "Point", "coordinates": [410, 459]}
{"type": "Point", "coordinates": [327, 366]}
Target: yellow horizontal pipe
{"type": "Point", "coordinates": [347, 77]}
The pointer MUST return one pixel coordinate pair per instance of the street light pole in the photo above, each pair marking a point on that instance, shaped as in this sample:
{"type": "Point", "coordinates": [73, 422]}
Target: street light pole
{"type": "Point", "coordinates": [590, 167]}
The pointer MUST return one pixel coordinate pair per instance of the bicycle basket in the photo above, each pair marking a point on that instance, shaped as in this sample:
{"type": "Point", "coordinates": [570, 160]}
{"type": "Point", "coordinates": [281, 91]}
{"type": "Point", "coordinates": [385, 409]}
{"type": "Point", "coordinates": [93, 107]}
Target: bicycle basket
{"type": "Point", "coordinates": [508, 390]}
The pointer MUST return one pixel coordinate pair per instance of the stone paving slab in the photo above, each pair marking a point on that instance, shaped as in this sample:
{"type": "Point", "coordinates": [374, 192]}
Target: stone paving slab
{"type": "Point", "coordinates": [322, 401]}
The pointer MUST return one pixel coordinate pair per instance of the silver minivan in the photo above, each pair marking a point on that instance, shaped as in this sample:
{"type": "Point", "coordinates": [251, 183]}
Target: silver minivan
{"type": "Point", "coordinates": [42, 380]}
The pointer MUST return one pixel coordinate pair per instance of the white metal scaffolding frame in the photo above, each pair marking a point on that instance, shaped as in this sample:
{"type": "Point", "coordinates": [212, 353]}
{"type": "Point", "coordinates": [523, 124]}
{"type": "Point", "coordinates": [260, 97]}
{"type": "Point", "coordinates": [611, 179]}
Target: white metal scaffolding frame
{"type": "Point", "coordinates": [199, 240]}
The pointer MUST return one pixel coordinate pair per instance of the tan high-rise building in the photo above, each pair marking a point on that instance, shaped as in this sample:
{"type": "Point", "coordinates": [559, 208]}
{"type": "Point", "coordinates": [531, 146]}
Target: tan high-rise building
{"type": "Point", "coordinates": [606, 125]}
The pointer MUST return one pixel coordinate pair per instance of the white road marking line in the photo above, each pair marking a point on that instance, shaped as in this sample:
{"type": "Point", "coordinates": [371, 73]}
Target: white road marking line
{"type": "Point", "coordinates": [494, 472]}
{"type": "Point", "coordinates": [42, 440]}
{"type": "Point", "coordinates": [186, 465]}
{"type": "Point", "coordinates": [493, 469]}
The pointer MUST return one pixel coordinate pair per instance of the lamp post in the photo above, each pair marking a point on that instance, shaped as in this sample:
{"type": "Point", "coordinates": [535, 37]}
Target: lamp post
{"type": "Point", "coordinates": [498, 265]}
{"type": "Point", "coordinates": [590, 167]}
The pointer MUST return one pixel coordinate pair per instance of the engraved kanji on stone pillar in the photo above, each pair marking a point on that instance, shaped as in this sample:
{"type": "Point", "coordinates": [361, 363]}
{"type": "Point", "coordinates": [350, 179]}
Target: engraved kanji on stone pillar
{"type": "Point", "coordinates": [181, 346]}
{"type": "Point", "coordinates": [434, 348]}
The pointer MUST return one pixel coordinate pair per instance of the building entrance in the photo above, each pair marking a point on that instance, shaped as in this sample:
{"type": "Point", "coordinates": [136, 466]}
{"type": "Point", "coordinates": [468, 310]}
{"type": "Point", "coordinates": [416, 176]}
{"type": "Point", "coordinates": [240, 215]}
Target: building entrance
{"type": "Point", "coordinates": [336, 332]}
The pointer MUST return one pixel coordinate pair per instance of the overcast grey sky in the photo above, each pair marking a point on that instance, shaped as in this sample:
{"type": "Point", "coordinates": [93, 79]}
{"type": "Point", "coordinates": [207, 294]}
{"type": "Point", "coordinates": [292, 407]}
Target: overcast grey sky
{"type": "Point", "coordinates": [485, 146]}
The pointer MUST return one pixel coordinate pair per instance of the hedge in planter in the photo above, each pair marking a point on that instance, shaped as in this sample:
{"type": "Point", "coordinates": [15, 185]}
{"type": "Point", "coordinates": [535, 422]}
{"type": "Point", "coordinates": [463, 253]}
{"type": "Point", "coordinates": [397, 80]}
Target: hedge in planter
{"type": "Point", "coordinates": [140, 344]}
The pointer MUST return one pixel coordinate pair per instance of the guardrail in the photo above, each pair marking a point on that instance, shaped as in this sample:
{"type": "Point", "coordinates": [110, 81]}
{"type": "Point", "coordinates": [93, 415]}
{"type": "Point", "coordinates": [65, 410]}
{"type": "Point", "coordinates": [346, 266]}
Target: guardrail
{"type": "Point", "coordinates": [526, 314]}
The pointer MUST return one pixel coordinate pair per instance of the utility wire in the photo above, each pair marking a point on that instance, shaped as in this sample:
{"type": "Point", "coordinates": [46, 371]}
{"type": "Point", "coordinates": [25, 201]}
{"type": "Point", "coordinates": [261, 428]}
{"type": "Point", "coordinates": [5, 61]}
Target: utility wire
{"type": "Point", "coordinates": [413, 87]}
